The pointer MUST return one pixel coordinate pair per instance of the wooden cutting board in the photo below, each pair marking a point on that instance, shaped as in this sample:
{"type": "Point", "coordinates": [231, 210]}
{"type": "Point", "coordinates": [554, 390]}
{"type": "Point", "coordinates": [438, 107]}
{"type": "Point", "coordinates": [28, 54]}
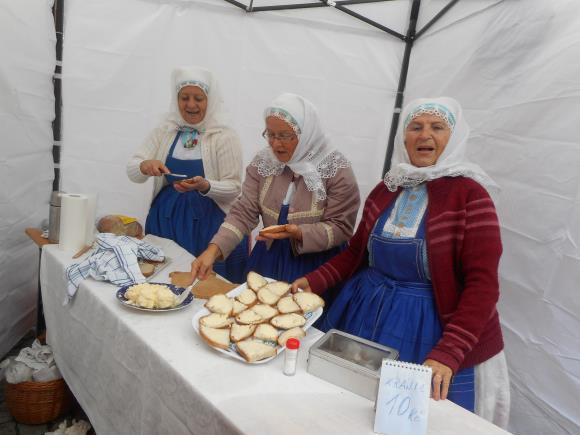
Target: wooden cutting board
{"type": "Point", "coordinates": [203, 289]}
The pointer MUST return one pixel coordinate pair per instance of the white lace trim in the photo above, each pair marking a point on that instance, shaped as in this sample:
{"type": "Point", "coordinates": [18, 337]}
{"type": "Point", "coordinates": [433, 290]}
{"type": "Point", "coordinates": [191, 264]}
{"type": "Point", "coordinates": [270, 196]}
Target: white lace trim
{"type": "Point", "coordinates": [395, 179]}
{"type": "Point", "coordinates": [285, 116]}
{"type": "Point", "coordinates": [432, 109]}
{"type": "Point", "coordinates": [326, 168]}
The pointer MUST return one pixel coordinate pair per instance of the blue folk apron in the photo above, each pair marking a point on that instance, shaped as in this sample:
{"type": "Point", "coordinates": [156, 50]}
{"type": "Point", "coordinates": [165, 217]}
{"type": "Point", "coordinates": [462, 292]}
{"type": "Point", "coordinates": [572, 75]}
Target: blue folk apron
{"type": "Point", "coordinates": [392, 303]}
{"type": "Point", "coordinates": [191, 219]}
{"type": "Point", "coordinates": [279, 262]}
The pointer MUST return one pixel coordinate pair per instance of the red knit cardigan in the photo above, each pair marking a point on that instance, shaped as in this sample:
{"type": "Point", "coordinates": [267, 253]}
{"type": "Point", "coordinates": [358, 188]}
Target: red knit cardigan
{"type": "Point", "coordinates": [463, 248]}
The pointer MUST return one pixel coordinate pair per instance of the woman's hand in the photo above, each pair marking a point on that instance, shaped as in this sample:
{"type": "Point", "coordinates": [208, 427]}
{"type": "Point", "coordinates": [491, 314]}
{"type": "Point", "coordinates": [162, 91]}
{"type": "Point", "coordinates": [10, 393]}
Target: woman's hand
{"type": "Point", "coordinates": [196, 183]}
{"type": "Point", "coordinates": [202, 266]}
{"type": "Point", "coordinates": [440, 380]}
{"type": "Point", "coordinates": [153, 168]}
{"type": "Point", "coordinates": [292, 232]}
{"type": "Point", "coordinates": [302, 284]}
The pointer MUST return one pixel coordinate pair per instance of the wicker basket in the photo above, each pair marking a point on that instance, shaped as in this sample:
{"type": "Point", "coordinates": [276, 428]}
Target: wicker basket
{"type": "Point", "coordinates": [38, 402]}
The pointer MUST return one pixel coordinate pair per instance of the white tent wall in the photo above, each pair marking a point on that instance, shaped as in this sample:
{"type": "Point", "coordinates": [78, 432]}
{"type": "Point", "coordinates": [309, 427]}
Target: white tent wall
{"type": "Point", "coordinates": [27, 42]}
{"type": "Point", "coordinates": [515, 66]}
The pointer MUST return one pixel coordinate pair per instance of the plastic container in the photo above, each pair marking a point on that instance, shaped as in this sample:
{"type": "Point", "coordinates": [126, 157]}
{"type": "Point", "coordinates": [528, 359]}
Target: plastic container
{"type": "Point", "coordinates": [291, 356]}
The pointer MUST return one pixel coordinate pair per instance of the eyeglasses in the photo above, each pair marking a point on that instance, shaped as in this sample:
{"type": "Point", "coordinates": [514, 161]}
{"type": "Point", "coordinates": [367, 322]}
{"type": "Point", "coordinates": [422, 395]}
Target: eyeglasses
{"type": "Point", "coordinates": [282, 137]}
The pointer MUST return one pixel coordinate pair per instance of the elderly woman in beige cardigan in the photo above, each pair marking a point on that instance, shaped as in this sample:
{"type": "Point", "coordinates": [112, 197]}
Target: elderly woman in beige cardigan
{"type": "Point", "coordinates": [195, 160]}
{"type": "Point", "coordinates": [298, 182]}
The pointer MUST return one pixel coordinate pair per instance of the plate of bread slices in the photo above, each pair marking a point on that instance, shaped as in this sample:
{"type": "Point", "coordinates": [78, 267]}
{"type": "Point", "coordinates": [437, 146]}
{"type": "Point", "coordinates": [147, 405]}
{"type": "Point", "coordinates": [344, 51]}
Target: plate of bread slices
{"type": "Point", "coordinates": [252, 322]}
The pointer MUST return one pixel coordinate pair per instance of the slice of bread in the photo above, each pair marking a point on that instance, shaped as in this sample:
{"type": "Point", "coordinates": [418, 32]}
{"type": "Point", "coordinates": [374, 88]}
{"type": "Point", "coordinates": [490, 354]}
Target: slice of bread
{"type": "Point", "coordinates": [266, 332]}
{"type": "Point", "coordinates": [288, 321]}
{"type": "Point", "coordinates": [249, 317]}
{"type": "Point", "coordinates": [279, 288]}
{"type": "Point", "coordinates": [273, 229]}
{"type": "Point", "coordinates": [255, 350]}
{"type": "Point", "coordinates": [147, 269]}
{"type": "Point", "coordinates": [241, 332]}
{"type": "Point", "coordinates": [267, 297]}
{"type": "Point", "coordinates": [247, 297]}
{"type": "Point", "coordinates": [308, 301]}
{"type": "Point", "coordinates": [216, 320]}
{"type": "Point", "coordinates": [215, 337]}
{"type": "Point", "coordinates": [239, 307]}
{"type": "Point", "coordinates": [291, 333]}
{"type": "Point", "coordinates": [220, 304]}
{"type": "Point", "coordinates": [255, 281]}
{"type": "Point", "coordinates": [287, 305]}
{"type": "Point", "coordinates": [266, 312]}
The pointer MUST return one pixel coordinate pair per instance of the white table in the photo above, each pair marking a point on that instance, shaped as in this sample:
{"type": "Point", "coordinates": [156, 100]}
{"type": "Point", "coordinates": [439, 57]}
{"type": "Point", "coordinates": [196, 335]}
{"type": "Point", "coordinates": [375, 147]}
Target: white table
{"type": "Point", "coordinates": [136, 372]}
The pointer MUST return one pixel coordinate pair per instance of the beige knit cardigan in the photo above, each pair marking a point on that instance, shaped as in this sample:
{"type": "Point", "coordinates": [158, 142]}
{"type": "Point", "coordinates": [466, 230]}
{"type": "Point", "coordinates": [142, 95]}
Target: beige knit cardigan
{"type": "Point", "coordinates": [221, 155]}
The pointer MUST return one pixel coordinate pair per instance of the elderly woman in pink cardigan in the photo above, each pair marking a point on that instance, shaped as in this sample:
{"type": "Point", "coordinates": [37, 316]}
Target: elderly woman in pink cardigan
{"type": "Point", "coordinates": [298, 181]}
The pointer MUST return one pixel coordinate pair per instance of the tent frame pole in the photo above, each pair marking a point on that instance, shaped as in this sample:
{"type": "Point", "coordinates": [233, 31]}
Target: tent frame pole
{"type": "Point", "coordinates": [58, 14]}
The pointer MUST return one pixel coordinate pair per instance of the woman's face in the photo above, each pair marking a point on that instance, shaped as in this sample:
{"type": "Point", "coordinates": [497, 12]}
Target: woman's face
{"type": "Point", "coordinates": [281, 138]}
{"type": "Point", "coordinates": [192, 103]}
{"type": "Point", "coordinates": [426, 137]}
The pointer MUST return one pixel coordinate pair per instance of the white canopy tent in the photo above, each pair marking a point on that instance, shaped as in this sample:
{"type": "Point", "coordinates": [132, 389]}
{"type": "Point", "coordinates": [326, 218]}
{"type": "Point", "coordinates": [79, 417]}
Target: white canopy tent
{"type": "Point", "coordinates": [513, 64]}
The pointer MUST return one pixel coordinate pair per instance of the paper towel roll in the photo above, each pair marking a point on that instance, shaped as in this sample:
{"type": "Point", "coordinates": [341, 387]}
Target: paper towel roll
{"type": "Point", "coordinates": [91, 217]}
{"type": "Point", "coordinates": [73, 222]}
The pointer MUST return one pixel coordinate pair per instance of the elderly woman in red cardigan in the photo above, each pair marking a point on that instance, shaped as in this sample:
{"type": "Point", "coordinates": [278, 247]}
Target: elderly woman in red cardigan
{"type": "Point", "coordinates": [421, 272]}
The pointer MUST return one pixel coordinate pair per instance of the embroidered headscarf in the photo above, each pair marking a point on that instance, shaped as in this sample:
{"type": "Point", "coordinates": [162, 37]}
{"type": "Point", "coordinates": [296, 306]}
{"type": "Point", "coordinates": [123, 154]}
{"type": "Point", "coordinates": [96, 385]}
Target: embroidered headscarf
{"type": "Point", "coordinates": [451, 163]}
{"type": "Point", "coordinates": [314, 159]}
{"type": "Point", "coordinates": [204, 79]}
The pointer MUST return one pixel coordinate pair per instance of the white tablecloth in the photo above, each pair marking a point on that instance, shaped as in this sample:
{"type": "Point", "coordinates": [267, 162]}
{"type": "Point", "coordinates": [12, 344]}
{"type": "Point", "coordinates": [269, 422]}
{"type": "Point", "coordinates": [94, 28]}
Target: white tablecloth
{"type": "Point", "coordinates": [136, 372]}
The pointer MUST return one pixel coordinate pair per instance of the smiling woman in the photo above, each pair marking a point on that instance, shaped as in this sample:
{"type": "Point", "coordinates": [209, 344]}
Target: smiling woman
{"type": "Point", "coordinates": [193, 141]}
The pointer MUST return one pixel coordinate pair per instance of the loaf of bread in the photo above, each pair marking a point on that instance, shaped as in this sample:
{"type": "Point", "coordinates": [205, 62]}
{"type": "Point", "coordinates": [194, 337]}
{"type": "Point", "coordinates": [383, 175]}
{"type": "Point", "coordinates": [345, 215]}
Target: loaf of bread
{"type": "Point", "coordinates": [255, 350]}
{"type": "Point", "coordinates": [255, 281]}
{"type": "Point", "coordinates": [120, 225]}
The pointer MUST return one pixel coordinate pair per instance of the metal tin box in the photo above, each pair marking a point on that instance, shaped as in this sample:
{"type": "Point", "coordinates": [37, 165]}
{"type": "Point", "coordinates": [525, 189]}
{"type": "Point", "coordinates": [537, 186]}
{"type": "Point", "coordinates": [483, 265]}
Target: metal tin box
{"type": "Point", "coordinates": [350, 362]}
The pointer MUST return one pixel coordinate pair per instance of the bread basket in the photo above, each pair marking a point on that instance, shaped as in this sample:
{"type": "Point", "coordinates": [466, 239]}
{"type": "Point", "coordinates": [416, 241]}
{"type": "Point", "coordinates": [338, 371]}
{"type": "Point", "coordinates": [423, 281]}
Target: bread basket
{"type": "Point", "coordinates": [37, 402]}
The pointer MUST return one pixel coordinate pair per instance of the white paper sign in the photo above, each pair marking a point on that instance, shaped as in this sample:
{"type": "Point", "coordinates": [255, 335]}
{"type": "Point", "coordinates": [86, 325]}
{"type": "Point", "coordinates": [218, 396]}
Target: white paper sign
{"type": "Point", "coordinates": [403, 399]}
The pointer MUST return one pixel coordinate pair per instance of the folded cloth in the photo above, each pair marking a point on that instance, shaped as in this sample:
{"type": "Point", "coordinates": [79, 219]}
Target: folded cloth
{"type": "Point", "coordinates": [37, 356]}
{"type": "Point", "coordinates": [115, 259]}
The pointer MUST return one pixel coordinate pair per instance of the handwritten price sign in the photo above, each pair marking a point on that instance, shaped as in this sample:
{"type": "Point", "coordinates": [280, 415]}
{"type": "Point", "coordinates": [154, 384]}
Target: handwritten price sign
{"type": "Point", "coordinates": [403, 399]}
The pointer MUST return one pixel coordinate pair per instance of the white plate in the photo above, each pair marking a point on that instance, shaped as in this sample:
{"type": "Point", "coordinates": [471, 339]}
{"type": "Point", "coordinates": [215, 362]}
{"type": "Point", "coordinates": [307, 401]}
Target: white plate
{"type": "Point", "coordinates": [231, 352]}
{"type": "Point", "coordinates": [176, 290]}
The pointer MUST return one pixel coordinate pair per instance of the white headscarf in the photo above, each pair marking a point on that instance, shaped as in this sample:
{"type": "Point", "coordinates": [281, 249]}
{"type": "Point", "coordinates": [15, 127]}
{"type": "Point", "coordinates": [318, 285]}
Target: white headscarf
{"type": "Point", "coordinates": [451, 163]}
{"type": "Point", "coordinates": [313, 158]}
{"type": "Point", "coordinates": [204, 79]}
